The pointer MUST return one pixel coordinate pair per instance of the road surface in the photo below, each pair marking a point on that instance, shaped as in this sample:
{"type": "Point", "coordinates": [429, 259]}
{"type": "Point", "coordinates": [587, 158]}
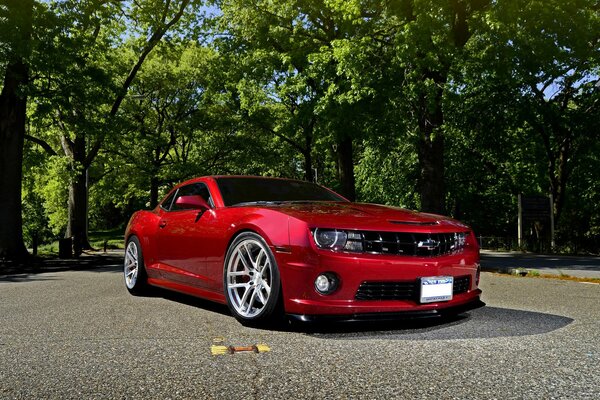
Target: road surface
{"type": "Point", "coordinates": [79, 334]}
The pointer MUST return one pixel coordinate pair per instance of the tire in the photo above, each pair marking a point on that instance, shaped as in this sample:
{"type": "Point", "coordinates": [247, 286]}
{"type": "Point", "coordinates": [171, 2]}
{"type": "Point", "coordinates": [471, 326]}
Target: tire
{"type": "Point", "coordinates": [251, 281]}
{"type": "Point", "coordinates": [134, 272]}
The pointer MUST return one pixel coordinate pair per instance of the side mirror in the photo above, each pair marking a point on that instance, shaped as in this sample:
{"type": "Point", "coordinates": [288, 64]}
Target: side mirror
{"type": "Point", "coordinates": [192, 203]}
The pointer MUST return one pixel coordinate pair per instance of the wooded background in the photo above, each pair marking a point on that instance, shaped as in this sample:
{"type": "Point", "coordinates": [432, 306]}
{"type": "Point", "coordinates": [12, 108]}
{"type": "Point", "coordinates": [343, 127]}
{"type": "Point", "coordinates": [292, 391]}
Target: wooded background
{"type": "Point", "coordinates": [447, 106]}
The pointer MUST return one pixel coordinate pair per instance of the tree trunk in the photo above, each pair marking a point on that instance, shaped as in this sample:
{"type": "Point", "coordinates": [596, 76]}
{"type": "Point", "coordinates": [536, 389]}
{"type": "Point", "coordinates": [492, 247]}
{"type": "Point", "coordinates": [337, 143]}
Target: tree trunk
{"type": "Point", "coordinates": [430, 148]}
{"type": "Point", "coordinates": [153, 192]}
{"type": "Point", "coordinates": [307, 153]}
{"type": "Point", "coordinates": [12, 134]}
{"type": "Point", "coordinates": [431, 186]}
{"type": "Point", "coordinates": [558, 174]}
{"type": "Point", "coordinates": [13, 107]}
{"type": "Point", "coordinates": [345, 157]}
{"type": "Point", "coordinates": [77, 225]}
{"type": "Point", "coordinates": [309, 175]}
{"type": "Point", "coordinates": [78, 193]}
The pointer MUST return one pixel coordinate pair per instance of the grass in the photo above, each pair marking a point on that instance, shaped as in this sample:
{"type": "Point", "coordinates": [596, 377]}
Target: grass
{"type": "Point", "coordinates": [561, 277]}
{"type": "Point", "coordinates": [113, 239]}
{"type": "Point", "coordinates": [565, 277]}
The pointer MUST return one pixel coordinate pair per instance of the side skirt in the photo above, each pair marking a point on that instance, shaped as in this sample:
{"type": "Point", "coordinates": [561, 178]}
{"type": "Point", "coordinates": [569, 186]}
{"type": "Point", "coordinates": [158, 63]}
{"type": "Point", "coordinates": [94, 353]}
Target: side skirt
{"type": "Point", "coordinates": [185, 289]}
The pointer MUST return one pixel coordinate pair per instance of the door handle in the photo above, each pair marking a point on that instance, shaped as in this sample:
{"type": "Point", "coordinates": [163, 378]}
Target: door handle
{"type": "Point", "coordinates": [162, 224]}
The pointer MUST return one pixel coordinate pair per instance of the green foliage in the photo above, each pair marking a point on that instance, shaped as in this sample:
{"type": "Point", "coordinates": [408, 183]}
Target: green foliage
{"type": "Point", "coordinates": [54, 184]}
{"type": "Point", "coordinates": [395, 180]}
{"type": "Point", "coordinates": [272, 87]}
{"type": "Point", "coordinates": [35, 219]}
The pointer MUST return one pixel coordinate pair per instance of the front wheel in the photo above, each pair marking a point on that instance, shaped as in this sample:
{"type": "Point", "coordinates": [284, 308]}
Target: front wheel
{"type": "Point", "coordinates": [133, 269]}
{"type": "Point", "coordinates": [251, 279]}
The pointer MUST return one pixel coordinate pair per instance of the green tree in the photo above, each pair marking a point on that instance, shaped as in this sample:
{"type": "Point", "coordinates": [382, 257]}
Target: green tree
{"type": "Point", "coordinates": [429, 38]}
{"type": "Point", "coordinates": [529, 94]}
{"type": "Point", "coordinates": [293, 82]}
{"type": "Point", "coordinates": [165, 113]}
{"type": "Point", "coordinates": [88, 82]}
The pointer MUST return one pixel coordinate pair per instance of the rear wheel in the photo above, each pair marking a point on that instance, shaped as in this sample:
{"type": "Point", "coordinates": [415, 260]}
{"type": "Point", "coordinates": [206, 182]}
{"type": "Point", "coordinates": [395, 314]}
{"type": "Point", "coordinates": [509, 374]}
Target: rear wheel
{"type": "Point", "coordinates": [251, 280]}
{"type": "Point", "coordinates": [133, 269]}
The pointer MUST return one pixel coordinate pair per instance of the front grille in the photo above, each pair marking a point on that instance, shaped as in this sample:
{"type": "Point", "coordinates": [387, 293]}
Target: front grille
{"type": "Point", "coordinates": [413, 244]}
{"type": "Point", "coordinates": [387, 291]}
{"type": "Point", "coordinates": [407, 290]}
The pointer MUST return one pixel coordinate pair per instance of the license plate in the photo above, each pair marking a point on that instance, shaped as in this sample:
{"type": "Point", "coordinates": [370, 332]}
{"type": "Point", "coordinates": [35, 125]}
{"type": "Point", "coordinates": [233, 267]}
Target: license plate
{"type": "Point", "coordinates": [436, 288]}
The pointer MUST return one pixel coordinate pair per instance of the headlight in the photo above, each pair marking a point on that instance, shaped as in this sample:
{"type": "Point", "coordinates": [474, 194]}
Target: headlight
{"type": "Point", "coordinates": [330, 238]}
{"type": "Point", "coordinates": [336, 239]}
{"type": "Point", "coordinates": [459, 241]}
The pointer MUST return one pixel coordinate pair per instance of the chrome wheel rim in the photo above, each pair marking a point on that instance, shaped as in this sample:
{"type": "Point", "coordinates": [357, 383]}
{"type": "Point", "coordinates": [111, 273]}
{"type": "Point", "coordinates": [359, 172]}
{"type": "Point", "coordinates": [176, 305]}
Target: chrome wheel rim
{"type": "Point", "coordinates": [249, 278]}
{"type": "Point", "coordinates": [131, 265]}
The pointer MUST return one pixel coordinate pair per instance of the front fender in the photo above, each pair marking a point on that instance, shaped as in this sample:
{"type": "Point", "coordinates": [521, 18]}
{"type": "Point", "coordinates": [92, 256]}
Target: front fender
{"type": "Point", "coordinates": [272, 226]}
{"type": "Point", "coordinates": [144, 225]}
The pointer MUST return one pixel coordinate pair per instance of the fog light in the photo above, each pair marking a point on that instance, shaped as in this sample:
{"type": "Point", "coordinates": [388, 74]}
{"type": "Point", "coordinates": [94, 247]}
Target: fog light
{"type": "Point", "coordinates": [326, 283]}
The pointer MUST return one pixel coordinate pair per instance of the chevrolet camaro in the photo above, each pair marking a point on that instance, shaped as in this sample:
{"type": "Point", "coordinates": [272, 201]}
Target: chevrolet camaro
{"type": "Point", "coordinates": [269, 247]}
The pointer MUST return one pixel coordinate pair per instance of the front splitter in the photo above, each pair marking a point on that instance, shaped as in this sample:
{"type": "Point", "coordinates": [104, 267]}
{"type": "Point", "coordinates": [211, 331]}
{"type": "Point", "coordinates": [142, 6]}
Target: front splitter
{"type": "Point", "coordinates": [390, 316]}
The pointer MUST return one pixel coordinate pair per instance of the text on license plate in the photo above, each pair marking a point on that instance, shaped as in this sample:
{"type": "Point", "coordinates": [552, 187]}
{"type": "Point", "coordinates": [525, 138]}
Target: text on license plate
{"type": "Point", "coordinates": [436, 288]}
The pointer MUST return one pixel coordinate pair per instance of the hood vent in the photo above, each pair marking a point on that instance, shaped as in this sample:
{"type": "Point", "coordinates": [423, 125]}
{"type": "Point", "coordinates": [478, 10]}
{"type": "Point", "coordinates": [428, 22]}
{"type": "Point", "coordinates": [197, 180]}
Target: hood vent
{"type": "Point", "coordinates": [418, 223]}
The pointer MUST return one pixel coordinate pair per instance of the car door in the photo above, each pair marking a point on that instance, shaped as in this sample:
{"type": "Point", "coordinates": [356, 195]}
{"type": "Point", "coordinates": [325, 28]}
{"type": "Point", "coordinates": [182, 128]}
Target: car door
{"type": "Point", "coordinates": [183, 238]}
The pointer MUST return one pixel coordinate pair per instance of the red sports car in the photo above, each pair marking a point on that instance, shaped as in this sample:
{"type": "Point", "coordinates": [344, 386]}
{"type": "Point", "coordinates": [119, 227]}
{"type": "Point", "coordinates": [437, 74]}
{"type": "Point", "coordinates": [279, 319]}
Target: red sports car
{"type": "Point", "coordinates": [267, 246]}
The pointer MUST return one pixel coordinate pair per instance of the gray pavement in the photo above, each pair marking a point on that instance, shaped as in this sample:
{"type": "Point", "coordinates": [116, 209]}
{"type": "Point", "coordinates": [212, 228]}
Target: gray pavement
{"type": "Point", "coordinates": [506, 262]}
{"type": "Point", "coordinates": [79, 334]}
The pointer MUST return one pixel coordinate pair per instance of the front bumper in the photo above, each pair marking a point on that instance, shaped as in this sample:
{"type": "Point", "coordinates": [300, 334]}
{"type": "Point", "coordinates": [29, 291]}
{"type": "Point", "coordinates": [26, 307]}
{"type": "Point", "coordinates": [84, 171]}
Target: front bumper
{"type": "Point", "coordinates": [300, 268]}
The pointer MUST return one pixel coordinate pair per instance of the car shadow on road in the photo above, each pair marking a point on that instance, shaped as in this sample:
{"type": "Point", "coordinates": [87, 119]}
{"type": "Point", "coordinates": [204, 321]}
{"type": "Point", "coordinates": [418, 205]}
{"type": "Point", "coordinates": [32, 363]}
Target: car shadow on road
{"type": "Point", "coordinates": [36, 269]}
{"type": "Point", "coordinates": [483, 323]}
{"type": "Point", "coordinates": [188, 300]}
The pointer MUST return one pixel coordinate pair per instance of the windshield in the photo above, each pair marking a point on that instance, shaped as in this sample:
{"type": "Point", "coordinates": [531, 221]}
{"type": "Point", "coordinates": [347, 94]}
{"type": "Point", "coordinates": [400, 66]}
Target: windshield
{"type": "Point", "coordinates": [237, 191]}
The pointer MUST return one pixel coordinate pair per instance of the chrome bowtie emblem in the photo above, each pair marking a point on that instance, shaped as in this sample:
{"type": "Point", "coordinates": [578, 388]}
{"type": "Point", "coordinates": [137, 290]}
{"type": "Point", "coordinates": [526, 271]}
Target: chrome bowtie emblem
{"type": "Point", "coordinates": [428, 244]}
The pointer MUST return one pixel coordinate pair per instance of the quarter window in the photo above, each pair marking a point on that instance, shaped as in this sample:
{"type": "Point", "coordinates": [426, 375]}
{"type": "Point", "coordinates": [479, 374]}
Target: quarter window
{"type": "Point", "coordinates": [166, 205]}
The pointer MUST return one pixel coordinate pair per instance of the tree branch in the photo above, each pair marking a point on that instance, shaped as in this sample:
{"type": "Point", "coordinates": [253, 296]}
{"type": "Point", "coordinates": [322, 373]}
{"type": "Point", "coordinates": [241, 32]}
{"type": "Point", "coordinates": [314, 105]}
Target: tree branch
{"type": "Point", "coordinates": [150, 45]}
{"type": "Point", "coordinates": [42, 143]}
{"type": "Point", "coordinates": [152, 42]}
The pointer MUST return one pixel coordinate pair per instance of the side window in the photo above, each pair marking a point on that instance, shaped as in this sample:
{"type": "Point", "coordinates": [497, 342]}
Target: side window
{"type": "Point", "coordinates": [166, 205]}
{"type": "Point", "coordinates": [195, 189]}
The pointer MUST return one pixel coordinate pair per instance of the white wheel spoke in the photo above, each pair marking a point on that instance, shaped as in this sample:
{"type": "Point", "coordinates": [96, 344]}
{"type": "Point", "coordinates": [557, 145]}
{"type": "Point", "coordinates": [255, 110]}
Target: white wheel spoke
{"type": "Point", "coordinates": [131, 253]}
{"type": "Point", "coordinates": [249, 252]}
{"type": "Point", "coordinates": [259, 258]}
{"type": "Point", "coordinates": [238, 285]}
{"type": "Point", "coordinates": [267, 287]}
{"type": "Point", "coordinates": [243, 259]}
{"type": "Point", "coordinates": [265, 265]}
{"type": "Point", "coordinates": [252, 298]}
{"type": "Point", "coordinates": [261, 296]}
{"type": "Point", "coordinates": [244, 298]}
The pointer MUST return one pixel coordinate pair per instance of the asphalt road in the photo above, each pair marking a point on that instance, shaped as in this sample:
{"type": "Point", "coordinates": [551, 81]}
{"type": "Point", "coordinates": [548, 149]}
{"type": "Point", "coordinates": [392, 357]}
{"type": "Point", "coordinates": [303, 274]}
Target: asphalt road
{"type": "Point", "coordinates": [577, 266]}
{"type": "Point", "coordinates": [79, 334]}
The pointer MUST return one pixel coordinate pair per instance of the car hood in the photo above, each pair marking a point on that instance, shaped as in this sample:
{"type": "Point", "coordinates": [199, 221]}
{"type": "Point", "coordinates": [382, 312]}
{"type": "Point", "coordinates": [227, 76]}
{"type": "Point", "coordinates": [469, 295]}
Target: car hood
{"type": "Point", "coordinates": [365, 216]}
